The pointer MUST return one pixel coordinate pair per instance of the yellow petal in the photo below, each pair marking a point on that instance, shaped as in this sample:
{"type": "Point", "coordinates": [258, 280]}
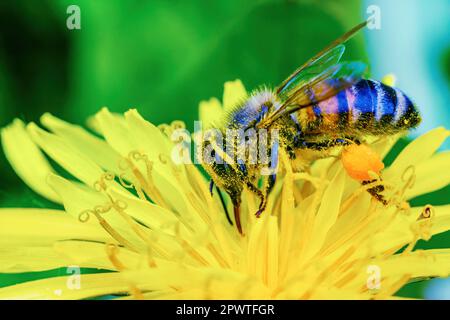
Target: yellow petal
{"type": "Point", "coordinates": [94, 255]}
{"type": "Point", "coordinates": [84, 142]}
{"type": "Point", "coordinates": [431, 175]}
{"type": "Point", "coordinates": [91, 285]}
{"type": "Point", "coordinates": [233, 94]}
{"type": "Point", "coordinates": [67, 157]}
{"type": "Point", "coordinates": [81, 201]}
{"type": "Point", "coordinates": [28, 259]}
{"type": "Point", "coordinates": [211, 113]}
{"type": "Point", "coordinates": [26, 159]}
{"type": "Point", "coordinates": [420, 263]}
{"type": "Point", "coordinates": [384, 145]}
{"type": "Point", "coordinates": [165, 174]}
{"type": "Point", "coordinates": [327, 213]}
{"type": "Point", "coordinates": [416, 152]}
{"type": "Point", "coordinates": [406, 228]}
{"type": "Point", "coordinates": [156, 148]}
{"type": "Point", "coordinates": [212, 283]}
{"type": "Point", "coordinates": [440, 221]}
{"type": "Point", "coordinates": [41, 227]}
{"type": "Point", "coordinates": [147, 136]}
{"type": "Point", "coordinates": [116, 132]}
{"type": "Point", "coordinates": [83, 254]}
{"type": "Point", "coordinates": [151, 215]}
{"type": "Point", "coordinates": [136, 134]}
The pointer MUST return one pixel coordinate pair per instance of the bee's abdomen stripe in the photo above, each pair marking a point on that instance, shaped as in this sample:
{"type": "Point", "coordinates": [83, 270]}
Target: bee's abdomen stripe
{"type": "Point", "coordinates": [316, 108]}
{"type": "Point", "coordinates": [350, 95]}
{"type": "Point", "coordinates": [373, 93]}
{"type": "Point", "coordinates": [380, 106]}
{"type": "Point", "coordinates": [388, 102]}
{"type": "Point", "coordinates": [364, 102]}
{"type": "Point", "coordinates": [400, 107]}
{"type": "Point", "coordinates": [342, 102]}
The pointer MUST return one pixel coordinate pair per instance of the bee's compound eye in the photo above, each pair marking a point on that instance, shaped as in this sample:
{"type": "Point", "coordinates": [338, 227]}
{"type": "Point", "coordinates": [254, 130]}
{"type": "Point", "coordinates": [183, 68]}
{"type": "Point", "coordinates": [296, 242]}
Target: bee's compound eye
{"type": "Point", "coordinates": [359, 160]}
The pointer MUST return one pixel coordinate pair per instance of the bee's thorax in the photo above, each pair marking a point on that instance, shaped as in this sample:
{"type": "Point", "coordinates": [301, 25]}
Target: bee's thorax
{"type": "Point", "coordinates": [257, 106]}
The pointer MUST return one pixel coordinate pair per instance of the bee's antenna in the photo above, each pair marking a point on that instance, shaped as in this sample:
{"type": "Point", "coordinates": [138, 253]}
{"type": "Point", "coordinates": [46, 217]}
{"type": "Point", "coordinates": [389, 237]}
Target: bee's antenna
{"type": "Point", "coordinates": [222, 200]}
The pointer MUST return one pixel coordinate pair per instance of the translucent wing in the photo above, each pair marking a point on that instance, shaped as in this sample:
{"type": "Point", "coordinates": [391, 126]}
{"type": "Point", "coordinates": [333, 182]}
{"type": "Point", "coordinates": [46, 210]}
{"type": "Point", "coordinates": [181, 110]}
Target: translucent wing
{"type": "Point", "coordinates": [327, 84]}
{"type": "Point", "coordinates": [318, 79]}
{"type": "Point", "coordinates": [323, 60]}
{"type": "Point", "coordinates": [296, 80]}
{"type": "Point", "coordinates": [318, 88]}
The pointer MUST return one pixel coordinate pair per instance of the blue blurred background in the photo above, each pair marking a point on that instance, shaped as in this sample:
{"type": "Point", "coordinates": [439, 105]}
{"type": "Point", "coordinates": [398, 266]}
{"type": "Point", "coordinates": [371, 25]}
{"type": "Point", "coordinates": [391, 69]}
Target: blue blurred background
{"type": "Point", "coordinates": [414, 44]}
{"type": "Point", "coordinates": [163, 57]}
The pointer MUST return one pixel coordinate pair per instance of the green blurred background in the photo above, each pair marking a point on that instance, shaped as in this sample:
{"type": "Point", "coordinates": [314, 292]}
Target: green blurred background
{"type": "Point", "coordinates": [163, 57]}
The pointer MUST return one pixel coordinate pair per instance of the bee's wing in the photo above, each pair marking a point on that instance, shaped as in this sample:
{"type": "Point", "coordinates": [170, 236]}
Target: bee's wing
{"type": "Point", "coordinates": [326, 84]}
{"type": "Point", "coordinates": [299, 79]}
{"type": "Point", "coordinates": [320, 87]}
{"type": "Point", "coordinates": [326, 58]}
{"type": "Point", "coordinates": [321, 75]}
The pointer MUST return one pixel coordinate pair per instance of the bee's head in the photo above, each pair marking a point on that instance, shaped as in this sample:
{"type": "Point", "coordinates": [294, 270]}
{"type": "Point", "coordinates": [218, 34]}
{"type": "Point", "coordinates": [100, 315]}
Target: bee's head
{"type": "Point", "coordinates": [226, 176]}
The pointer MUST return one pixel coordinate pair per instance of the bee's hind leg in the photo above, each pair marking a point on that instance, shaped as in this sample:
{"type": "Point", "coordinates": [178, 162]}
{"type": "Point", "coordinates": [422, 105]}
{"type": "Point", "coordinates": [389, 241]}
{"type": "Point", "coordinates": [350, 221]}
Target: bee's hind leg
{"type": "Point", "coordinates": [260, 195]}
{"type": "Point", "coordinates": [376, 191]}
{"type": "Point", "coordinates": [269, 186]}
{"type": "Point", "coordinates": [326, 144]}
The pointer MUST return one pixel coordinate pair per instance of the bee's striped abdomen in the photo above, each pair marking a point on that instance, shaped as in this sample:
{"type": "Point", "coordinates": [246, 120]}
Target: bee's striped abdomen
{"type": "Point", "coordinates": [368, 106]}
{"type": "Point", "coordinates": [362, 101]}
{"type": "Point", "coordinates": [378, 107]}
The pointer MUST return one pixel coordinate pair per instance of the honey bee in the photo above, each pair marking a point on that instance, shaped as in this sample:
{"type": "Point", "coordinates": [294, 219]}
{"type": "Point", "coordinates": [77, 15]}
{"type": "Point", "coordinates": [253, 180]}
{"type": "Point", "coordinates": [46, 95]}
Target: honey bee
{"type": "Point", "coordinates": [323, 104]}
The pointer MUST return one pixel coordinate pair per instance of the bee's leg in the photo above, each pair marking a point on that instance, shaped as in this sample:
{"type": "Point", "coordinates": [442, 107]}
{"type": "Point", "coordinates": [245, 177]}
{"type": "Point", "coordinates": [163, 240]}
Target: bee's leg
{"type": "Point", "coordinates": [236, 200]}
{"type": "Point", "coordinates": [271, 182]}
{"type": "Point", "coordinates": [211, 186]}
{"type": "Point", "coordinates": [237, 217]}
{"type": "Point", "coordinates": [263, 203]}
{"type": "Point", "coordinates": [290, 152]}
{"type": "Point", "coordinates": [376, 191]}
{"type": "Point", "coordinates": [269, 186]}
{"type": "Point", "coordinates": [325, 144]}
{"type": "Point", "coordinates": [353, 139]}
{"type": "Point", "coordinates": [224, 205]}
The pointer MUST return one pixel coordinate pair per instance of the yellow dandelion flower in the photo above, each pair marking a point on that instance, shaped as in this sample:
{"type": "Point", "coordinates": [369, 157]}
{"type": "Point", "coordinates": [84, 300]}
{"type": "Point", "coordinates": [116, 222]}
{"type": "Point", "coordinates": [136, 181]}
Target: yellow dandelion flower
{"type": "Point", "coordinates": [130, 209]}
{"type": "Point", "coordinates": [211, 112]}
